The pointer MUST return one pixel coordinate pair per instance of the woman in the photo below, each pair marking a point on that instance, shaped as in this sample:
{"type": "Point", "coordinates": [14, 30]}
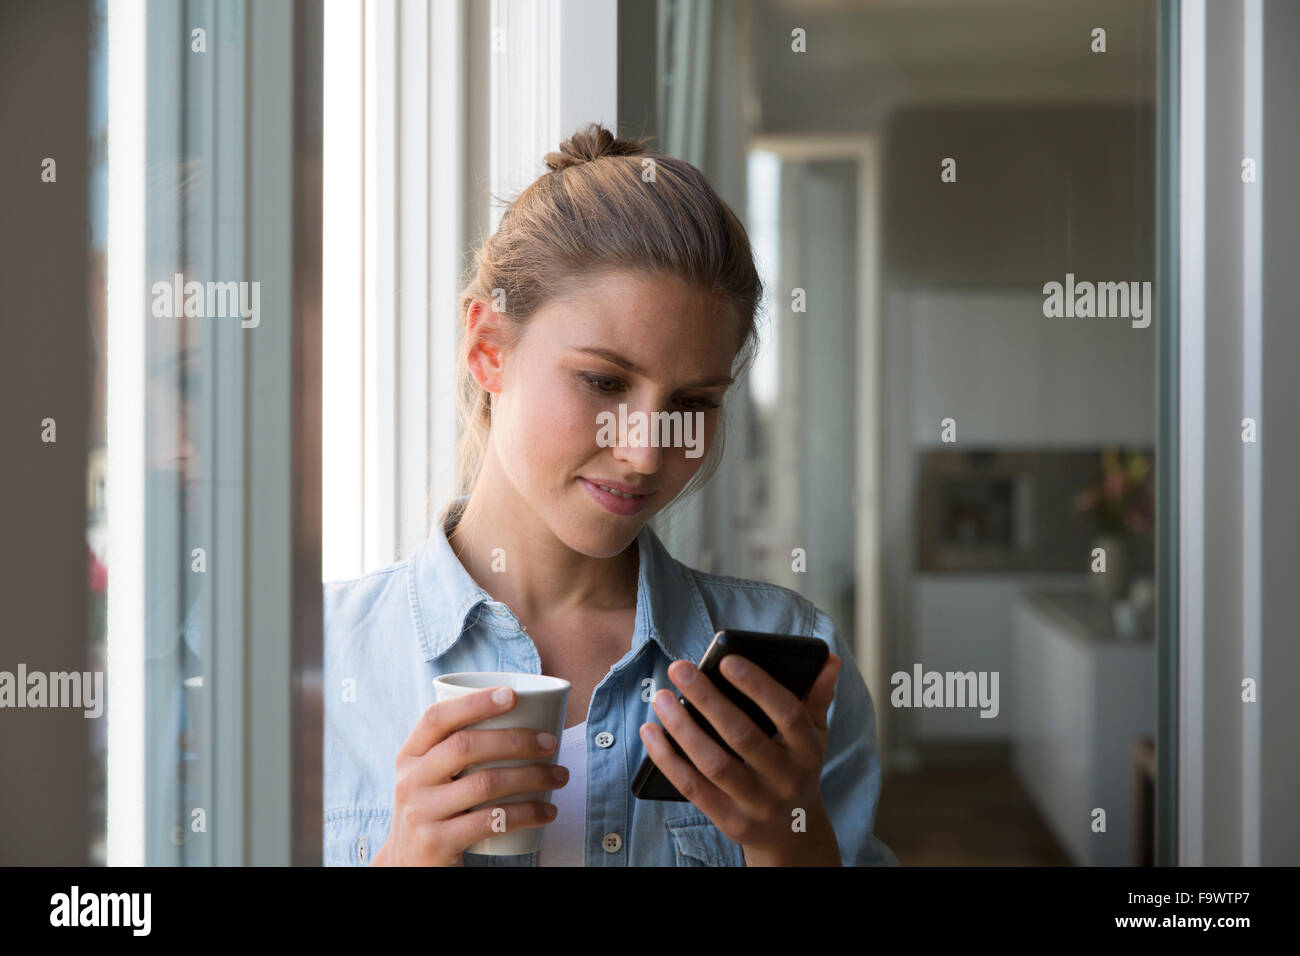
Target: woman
{"type": "Point", "coordinates": [617, 278]}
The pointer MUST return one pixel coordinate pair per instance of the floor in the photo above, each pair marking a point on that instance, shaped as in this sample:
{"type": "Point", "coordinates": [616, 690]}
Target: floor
{"type": "Point", "coordinates": [963, 807]}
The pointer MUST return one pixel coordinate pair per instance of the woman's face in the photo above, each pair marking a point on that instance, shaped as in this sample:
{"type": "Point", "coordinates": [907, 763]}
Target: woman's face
{"type": "Point", "coordinates": [651, 344]}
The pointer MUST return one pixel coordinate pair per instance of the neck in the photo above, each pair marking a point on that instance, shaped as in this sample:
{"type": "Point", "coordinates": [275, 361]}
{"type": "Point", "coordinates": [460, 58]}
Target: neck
{"type": "Point", "coordinates": [514, 556]}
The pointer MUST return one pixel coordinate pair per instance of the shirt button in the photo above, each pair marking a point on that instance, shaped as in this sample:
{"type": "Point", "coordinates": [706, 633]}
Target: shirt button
{"type": "Point", "coordinates": [604, 739]}
{"type": "Point", "coordinates": [612, 842]}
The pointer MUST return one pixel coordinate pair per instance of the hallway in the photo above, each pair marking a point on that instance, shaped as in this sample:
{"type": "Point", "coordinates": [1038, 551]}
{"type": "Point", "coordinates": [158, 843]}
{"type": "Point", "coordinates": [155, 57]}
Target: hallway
{"type": "Point", "coordinates": [963, 806]}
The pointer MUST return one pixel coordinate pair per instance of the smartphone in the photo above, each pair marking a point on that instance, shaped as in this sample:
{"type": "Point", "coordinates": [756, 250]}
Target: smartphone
{"type": "Point", "coordinates": [792, 660]}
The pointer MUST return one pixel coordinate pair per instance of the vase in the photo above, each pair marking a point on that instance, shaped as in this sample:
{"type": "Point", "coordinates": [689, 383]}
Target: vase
{"type": "Point", "coordinates": [1112, 584]}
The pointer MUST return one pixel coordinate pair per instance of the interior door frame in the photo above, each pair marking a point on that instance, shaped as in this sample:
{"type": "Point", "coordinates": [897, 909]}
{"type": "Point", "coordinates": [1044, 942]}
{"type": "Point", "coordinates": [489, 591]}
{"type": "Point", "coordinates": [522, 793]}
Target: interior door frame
{"type": "Point", "coordinates": [1168, 447]}
{"type": "Point", "coordinates": [863, 149]}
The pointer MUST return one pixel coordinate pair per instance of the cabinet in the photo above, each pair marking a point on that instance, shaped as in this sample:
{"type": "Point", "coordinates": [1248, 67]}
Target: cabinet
{"type": "Point", "coordinates": [1083, 699]}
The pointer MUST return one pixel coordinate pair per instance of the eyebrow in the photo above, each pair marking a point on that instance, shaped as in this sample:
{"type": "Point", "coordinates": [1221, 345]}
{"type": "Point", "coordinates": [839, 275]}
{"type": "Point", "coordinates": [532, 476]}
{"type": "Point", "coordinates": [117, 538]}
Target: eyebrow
{"type": "Point", "coordinates": [611, 356]}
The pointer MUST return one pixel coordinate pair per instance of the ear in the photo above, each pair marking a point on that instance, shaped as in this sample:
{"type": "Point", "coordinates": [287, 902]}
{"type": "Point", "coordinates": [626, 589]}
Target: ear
{"type": "Point", "coordinates": [486, 332]}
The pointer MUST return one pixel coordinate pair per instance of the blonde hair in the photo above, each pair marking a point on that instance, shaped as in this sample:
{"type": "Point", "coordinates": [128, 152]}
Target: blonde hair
{"type": "Point", "coordinates": [606, 204]}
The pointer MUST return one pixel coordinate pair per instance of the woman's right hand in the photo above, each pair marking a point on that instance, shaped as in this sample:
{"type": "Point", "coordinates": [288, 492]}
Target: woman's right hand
{"type": "Point", "coordinates": [430, 825]}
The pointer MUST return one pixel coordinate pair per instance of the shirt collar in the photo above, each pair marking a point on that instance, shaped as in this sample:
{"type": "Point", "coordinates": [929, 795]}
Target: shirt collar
{"type": "Point", "coordinates": [446, 601]}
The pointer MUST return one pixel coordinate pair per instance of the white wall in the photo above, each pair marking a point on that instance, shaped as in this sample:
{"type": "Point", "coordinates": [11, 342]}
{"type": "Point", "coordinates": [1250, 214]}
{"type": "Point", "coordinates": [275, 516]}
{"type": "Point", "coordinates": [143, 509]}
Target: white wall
{"type": "Point", "coordinates": [1009, 375]}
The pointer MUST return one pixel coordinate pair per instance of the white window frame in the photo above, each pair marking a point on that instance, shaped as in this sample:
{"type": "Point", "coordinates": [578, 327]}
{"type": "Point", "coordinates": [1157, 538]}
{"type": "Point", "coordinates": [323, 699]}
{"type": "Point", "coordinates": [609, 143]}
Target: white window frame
{"type": "Point", "coordinates": [554, 69]}
{"type": "Point", "coordinates": [258, 719]}
{"type": "Point", "coordinates": [415, 200]}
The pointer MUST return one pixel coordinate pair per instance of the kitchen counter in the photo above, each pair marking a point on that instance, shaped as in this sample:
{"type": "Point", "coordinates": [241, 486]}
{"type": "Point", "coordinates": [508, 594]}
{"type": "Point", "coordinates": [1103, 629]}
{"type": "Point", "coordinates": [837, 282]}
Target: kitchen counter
{"type": "Point", "coordinates": [1082, 696]}
{"type": "Point", "coordinates": [1084, 616]}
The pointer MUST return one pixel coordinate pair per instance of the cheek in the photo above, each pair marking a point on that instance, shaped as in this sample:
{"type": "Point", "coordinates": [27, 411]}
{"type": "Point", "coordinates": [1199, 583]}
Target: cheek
{"type": "Point", "coordinates": [566, 419]}
{"type": "Point", "coordinates": [555, 426]}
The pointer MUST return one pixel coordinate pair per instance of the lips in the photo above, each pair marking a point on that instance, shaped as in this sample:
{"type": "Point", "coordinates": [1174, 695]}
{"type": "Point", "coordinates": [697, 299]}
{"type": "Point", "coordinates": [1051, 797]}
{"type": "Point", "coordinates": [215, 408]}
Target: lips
{"type": "Point", "coordinates": [616, 503]}
{"type": "Point", "coordinates": [618, 487]}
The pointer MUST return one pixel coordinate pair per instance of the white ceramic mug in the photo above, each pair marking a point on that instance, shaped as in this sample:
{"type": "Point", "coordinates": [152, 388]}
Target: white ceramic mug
{"type": "Point", "coordinates": [540, 703]}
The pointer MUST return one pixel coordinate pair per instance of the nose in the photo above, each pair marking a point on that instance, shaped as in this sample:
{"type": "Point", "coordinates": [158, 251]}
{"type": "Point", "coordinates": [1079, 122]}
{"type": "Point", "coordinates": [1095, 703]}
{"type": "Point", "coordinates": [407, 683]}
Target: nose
{"type": "Point", "coordinates": [646, 459]}
{"type": "Point", "coordinates": [642, 451]}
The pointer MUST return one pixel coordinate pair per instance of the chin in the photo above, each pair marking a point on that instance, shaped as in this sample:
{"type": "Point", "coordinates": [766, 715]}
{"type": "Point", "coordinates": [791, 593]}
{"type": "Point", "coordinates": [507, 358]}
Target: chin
{"type": "Point", "coordinates": [603, 544]}
{"type": "Point", "coordinates": [601, 537]}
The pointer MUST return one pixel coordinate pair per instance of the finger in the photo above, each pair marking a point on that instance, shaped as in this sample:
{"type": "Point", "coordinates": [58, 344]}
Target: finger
{"type": "Point", "coordinates": [690, 783]}
{"type": "Point", "coordinates": [491, 785]}
{"type": "Point", "coordinates": [466, 830]}
{"type": "Point", "coordinates": [818, 699]}
{"type": "Point", "coordinates": [719, 768]}
{"type": "Point", "coordinates": [737, 728]}
{"type": "Point", "coordinates": [468, 747]}
{"type": "Point", "coordinates": [447, 716]}
{"type": "Point", "coordinates": [786, 711]}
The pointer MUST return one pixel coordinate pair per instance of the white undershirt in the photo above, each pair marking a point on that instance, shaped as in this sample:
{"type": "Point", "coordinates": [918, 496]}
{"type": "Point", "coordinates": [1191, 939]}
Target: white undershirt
{"type": "Point", "coordinates": [564, 837]}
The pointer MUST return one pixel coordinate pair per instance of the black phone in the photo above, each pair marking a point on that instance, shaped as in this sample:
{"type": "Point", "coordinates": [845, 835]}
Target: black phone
{"type": "Point", "coordinates": [793, 660]}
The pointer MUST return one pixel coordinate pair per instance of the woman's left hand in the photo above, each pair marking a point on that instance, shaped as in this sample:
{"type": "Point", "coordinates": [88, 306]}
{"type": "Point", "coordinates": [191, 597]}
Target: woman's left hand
{"type": "Point", "coordinates": [758, 802]}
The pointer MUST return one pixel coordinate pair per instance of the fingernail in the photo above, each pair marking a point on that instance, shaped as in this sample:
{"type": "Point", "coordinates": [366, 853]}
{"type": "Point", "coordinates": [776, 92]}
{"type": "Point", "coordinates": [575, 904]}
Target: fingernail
{"type": "Point", "coordinates": [546, 740]}
{"type": "Point", "coordinates": [735, 666]}
{"type": "Point", "coordinates": [685, 674]}
{"type": "Point", "coordinates": [501, 695]}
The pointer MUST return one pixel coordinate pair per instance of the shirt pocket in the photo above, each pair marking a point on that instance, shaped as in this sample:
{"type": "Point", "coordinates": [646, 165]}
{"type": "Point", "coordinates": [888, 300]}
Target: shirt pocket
{"type": "Point", "coordinates": [353, 835]}
{"type": "Point", "coordinates": [697, 842]}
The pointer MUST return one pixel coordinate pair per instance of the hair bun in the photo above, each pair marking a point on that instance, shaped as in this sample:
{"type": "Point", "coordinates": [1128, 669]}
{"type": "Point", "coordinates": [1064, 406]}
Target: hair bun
{"type": "Point", "coordinates": [592, 142]}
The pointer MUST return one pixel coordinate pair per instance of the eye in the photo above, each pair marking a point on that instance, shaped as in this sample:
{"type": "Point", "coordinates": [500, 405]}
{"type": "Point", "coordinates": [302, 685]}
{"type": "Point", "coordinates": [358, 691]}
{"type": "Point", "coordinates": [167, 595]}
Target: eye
{"type": "Point", "coordinates": [700, 403]}
{"type": "Point", "coordinates": [598, 383]}
{"type": "Point", "coordinates": [594, 382]}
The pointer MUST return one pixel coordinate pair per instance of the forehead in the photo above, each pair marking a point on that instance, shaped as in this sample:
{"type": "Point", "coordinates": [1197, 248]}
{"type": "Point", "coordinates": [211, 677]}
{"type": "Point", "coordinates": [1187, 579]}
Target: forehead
{"type": "Point", "coordinates": [649, 313]}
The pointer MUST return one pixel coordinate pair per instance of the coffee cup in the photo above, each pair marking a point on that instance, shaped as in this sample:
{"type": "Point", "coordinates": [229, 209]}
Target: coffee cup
{"type": "Point", "coordinates": [540, 704]}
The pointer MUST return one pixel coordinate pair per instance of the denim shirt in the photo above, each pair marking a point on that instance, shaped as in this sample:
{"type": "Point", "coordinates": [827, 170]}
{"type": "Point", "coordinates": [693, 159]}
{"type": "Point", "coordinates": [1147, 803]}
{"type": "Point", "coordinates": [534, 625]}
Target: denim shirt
{"type": "Point", "coordinates": [389, 633]}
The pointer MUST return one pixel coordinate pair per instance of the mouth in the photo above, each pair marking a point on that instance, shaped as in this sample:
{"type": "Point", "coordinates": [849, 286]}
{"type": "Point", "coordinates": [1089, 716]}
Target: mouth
{"type": "Point", "coordinates": [619, 498]}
